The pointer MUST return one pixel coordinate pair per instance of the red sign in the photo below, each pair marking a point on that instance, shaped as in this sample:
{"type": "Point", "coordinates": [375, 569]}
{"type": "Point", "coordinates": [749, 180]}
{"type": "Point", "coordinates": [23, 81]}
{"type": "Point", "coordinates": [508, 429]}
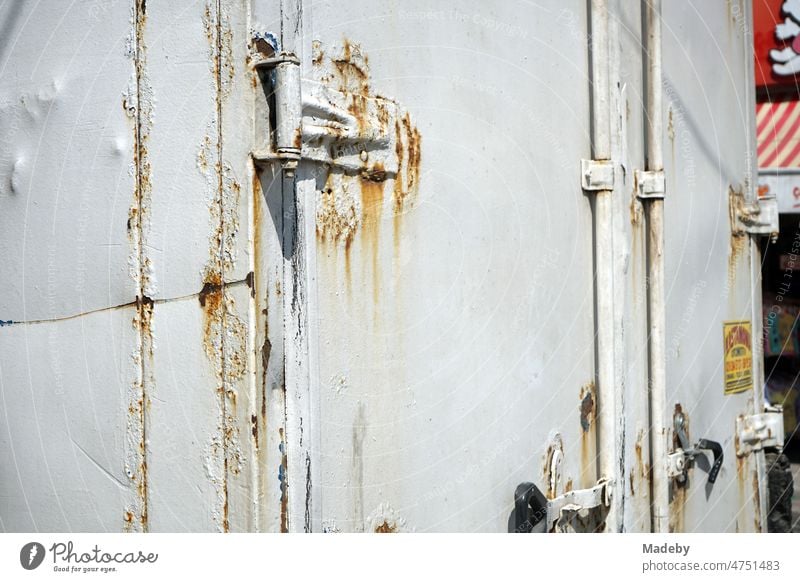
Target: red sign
{"type": "Point", "coordinates": [777, 43]}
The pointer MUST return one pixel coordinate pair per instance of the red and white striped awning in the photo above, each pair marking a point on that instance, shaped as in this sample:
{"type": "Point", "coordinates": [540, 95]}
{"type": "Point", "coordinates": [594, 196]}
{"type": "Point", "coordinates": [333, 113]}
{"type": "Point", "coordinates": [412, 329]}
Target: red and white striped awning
{"type": "Point", "coordinates": [778, 130]}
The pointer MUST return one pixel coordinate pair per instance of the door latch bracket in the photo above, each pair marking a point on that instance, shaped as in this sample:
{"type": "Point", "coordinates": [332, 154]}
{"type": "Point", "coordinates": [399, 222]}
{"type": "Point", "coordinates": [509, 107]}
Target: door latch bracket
{"type": "Point", "coordinates": [758, 431]}
{"type": "Point", "coordinates": [679, 461]}
{"type": "Point", "coordinates": [597, 175]}
{"type": "Point", "coordinates": [533, 509]}
{"type": "Point", "coordinates": [650, 185]}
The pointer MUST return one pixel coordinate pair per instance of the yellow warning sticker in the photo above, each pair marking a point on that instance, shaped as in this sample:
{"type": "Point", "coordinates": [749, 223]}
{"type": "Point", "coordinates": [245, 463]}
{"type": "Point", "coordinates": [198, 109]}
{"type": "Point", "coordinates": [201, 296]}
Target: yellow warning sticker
{"type": "Point", "coordinates": [738, 347]}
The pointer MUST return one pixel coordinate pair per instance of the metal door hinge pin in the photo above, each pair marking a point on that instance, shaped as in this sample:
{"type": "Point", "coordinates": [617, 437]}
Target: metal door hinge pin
{"type": "Point", "coordinates": [288, 112]}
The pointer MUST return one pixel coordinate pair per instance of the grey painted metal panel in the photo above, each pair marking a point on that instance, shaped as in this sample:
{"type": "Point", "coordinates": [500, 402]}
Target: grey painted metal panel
{"type": "Point", "coordinates": [707, 157]}
{"type": "Point", "coordinates": [185, 359]}
{"type": "Point", "coordinates": [64, 397]}
{"type": "Point", "coordinates": [66, 160]}
{"type": "Point", "coordinates": [445, 359]}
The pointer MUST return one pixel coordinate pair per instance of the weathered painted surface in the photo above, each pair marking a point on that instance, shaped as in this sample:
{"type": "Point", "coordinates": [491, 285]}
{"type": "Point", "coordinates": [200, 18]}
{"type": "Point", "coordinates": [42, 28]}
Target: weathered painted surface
{"type": "Point", "coordinates": [708, 159]}
{"type": "Point", "coordinates": [396, 336]}
{"type": "Point", "coordinates": [445, 362]}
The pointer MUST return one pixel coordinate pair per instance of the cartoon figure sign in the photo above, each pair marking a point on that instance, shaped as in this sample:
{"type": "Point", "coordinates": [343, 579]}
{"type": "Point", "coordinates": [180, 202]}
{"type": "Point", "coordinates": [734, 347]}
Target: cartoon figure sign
{"type": "Point", "coordinates": [737, 340]}
{"type": "Point", "coordinates": [776, 40]}
{"type": "Point", "coordinates": [786, 61]}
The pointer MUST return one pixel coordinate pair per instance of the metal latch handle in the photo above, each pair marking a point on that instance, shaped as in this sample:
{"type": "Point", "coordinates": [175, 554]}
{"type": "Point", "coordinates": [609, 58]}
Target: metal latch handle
{"type": "Point", "coordinates": [685, 455]}
{"type": "Point", "coordinates": [530, 507]}
{"type": "Point", "coordinates": [715, 448]}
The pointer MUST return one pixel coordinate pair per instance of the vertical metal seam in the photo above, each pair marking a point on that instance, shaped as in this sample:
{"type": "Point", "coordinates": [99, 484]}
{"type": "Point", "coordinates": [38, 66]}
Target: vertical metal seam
{"type": "Point", "coordinates": [656, 316]}
{"type": "Point", "coordinates": [286, 526]}
{"type": "Point", "coordinates": [221, 257]}
{"type": "Point", "coordinates": [139, 234]}
{"type": "Point", "coordinates": [604, 256]}
{"type": "Point", "coordinates": [256, 393]}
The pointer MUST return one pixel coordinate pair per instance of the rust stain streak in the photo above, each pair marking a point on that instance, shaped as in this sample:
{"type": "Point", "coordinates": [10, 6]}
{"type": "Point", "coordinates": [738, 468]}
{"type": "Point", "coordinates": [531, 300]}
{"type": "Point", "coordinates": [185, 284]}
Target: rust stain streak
{"type": "Point", "coordinates": [137, 417]}
{"type": "Point", "coordinates": [282, 477]}
{"type": "Point", "coordinates": [738, 238]}
{"type": "Point", "coordinates": [386, 527]}
{"type": "Point", "coordinates": [588, 435]}
{"type": "Point", "coordinates": [756, 504]}
{"type": "Point", "coordinates": [372, 209]}
{"type": "Point", "coordinates": [677, 507]}
{"type": "Point", "coordinates": [340, 217]}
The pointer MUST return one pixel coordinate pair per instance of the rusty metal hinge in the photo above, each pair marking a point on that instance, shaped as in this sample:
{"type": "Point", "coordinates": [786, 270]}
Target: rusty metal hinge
{"type": "Point", "coordinates": [288, 111]}
{"type": "Point", "coordinates": [353, 133]}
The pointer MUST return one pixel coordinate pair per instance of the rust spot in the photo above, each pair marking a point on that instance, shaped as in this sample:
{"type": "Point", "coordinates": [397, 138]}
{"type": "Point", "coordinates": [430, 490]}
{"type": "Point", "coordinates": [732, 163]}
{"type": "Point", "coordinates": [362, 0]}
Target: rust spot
{"type": "Point", "coordinates": [631, 478]}
{"type": "Point", "coordinates": [358, 107]}
{"type": "Point", "coordinates": [254, 424]}
{"type": "Point", "coordinates": [636, 208]}
{"type": "Point", "coordinates": [638, 450]}
{"type": "Point", "coordinates": [317, 54]}
{"type": "Point", "coordinates": [756, 504]}
{"type": "Point", "coordinates": [738, 238]}
{"type": "Point", "coordinates": [372, 208]}
{"type": "Point", "coordinates": [587, 407]}
{"type": "Point", "coordinates": [568, 486]}
{"type": "Point", "coordinates": [282, 479]}
{"type": "Point", "coordinates": [670, 125]}
{"type": "Point", "coordinates": [677, 507]}
{"type": "Point", "coordinates": [351, 201]}
{"type": "Point", "coordinates": [133, 215]}
{"type": "Point", "coordinates": [409, 155]}
{"type": "Point", "coordinates": [741, 471]}
{"type": "Point", "coordinates": [210, 295]}
{"type": "Point", "coordinates": [226, 524]}
{"type": "Point", "coordinates": [386, 527]}
{"type": "Point", "coordinates": [352, 69]}
{"type": "Point", "coordinates": [337, 213]}
{"type": "Point", "coordinates": [263, 48]}
{"type": "Point", "coordinates": [588, 435]}
{"type": "Point", "coordinates": [376, 173]}
{"type": "Point", "coordinates": [266, 352]}
{"type": "Point", "coordinates": [138, 107]}
{"type": "Point", "coordinates": [250, 281]}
